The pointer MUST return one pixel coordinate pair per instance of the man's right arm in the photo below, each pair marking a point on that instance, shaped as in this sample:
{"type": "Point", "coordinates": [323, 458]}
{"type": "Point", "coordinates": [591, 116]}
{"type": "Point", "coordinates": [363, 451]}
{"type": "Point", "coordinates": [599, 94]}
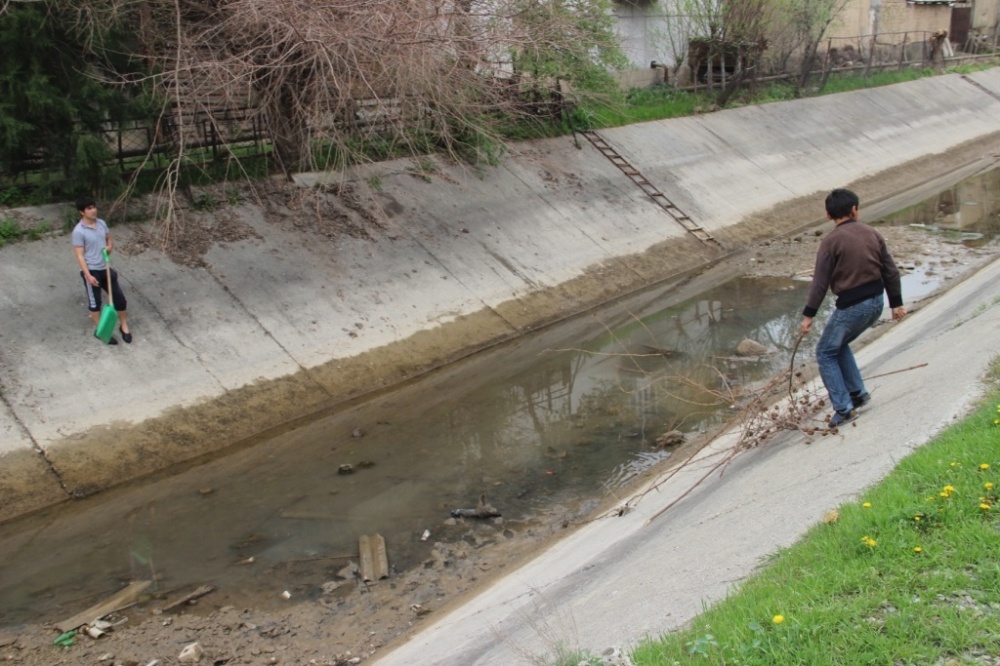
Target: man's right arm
{"type": "Point", "coordinates": [78, 251]}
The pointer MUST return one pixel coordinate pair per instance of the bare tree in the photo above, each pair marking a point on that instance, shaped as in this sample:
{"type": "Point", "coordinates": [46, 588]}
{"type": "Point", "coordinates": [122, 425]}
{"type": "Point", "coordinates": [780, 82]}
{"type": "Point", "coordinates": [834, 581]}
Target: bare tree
{"type": "Point", "coordinates": [333, 77]}
{"type": "Point", "coordinates": [721, 39]}
{"type": "Point", "coordinates": [803, 25]}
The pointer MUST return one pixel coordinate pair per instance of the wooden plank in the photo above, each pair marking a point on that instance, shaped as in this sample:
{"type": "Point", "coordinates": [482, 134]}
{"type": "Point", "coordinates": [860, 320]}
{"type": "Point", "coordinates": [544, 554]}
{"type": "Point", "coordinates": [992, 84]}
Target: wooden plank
{"type": "Point", "coordinates": [200, 592]}
{"type": "Point", "coordinates": [381, 560]}
{"type": "Point", "coordinates": [374, 563]}
{"type": "Point", "coordinates": [123, 598]}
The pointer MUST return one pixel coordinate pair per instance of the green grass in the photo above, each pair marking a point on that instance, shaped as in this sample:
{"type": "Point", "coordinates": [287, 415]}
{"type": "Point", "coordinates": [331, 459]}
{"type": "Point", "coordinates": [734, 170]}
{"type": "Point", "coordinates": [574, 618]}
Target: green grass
{"type": "Point", "coordinates": [839, 83]}
{"type": "Point", "coordinates": [661, 102]}
{"type": "Point", "coordinates": [9, 232]}
{"type": "Point", "coordinates": [908, 574]}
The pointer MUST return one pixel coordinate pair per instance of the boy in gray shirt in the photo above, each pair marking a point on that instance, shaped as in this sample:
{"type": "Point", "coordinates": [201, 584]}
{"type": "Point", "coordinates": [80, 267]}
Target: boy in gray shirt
{"type": "Point", "coordinates": [90, 238]}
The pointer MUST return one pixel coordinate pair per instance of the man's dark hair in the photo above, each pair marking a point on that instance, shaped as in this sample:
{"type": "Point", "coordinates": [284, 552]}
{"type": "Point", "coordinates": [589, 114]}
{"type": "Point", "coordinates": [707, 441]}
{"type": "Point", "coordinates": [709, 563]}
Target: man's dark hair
{"type": "Point", "coordinates": [840, 202]}
{"type": "Point", "coordinates": [83, 203]}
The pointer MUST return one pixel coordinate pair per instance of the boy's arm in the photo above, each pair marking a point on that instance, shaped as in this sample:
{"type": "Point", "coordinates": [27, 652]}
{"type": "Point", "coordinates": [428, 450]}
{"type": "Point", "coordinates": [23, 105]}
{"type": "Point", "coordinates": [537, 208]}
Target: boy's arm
{"type": "Point", "coordinates": [78, 251]}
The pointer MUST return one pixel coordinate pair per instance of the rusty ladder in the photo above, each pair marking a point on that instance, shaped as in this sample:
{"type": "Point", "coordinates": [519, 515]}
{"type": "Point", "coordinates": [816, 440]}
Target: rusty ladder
{"type": "Point", "coordinates": [651, 190]}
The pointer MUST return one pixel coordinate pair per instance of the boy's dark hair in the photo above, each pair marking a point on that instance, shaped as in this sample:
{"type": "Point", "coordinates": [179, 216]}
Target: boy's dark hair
{"type": "Point", "coordinates": [840, 202]}
{"type": "Point", "coordinates": [83, 203]}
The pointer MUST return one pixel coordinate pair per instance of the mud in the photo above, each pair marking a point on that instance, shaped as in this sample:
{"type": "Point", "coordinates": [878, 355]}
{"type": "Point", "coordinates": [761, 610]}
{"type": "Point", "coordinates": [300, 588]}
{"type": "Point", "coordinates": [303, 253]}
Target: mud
{"type": "Point", "coordinates": [346, 619]}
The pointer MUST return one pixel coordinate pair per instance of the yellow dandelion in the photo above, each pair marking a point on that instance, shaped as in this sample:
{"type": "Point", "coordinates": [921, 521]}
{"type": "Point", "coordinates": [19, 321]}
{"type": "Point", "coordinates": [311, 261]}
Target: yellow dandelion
{"type": "Point", "coordinates": [917, 518]}
{"type": "Point", "coordinates": [867, 505]}
{"type": "Point", "coordinates": [868, 541]}
{"type": "Point", "coordinates": [984, 466]}
{"type": "Point", "coordinates": [988, 485]}
{"type": "Point", "coordinates": [778, 619]}
{"type": "Point", "coordinates": [955, 464]}
{"type": "Point", "coordinates": [918, 549]}
{"type": "Point", "coordinates": [944, 494]}
{"type": "Point", "coordinates": [949, 489]}
{"type": "Point", "coordinates": [984, 506]}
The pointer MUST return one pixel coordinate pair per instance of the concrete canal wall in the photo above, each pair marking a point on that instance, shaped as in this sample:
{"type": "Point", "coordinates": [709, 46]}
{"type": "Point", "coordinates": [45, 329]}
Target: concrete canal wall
{"type": "Point", "coordinates": [289, 316]}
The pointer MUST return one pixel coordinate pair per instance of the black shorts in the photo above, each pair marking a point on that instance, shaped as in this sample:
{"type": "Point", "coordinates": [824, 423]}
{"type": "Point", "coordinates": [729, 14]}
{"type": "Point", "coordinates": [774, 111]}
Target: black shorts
{"type": "Point", "coordinates": [94, 293]}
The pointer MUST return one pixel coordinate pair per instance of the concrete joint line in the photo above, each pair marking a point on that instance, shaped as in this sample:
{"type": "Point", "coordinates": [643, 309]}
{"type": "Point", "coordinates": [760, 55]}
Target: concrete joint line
{"type": "Point", "coordinates": [34, 443]}
{"type": "Point", "coordinates": [618, 260]}
{"type": "Point", "coordinates": [486, 305]}
{"type": "Point", "coordinates": [166, 325]}
{"type": "Point", "coordinates": [267, 332]}
{"type": "Point", "coordinates": [965, 77]}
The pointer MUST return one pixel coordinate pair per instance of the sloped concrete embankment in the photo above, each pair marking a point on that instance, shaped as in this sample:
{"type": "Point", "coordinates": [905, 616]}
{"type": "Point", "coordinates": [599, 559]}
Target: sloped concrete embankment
{"type": "Point", "coordinates": [285, 323]}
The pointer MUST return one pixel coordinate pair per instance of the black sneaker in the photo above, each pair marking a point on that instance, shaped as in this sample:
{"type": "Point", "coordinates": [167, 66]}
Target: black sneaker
{"type": "Point", "coordinates": [840, 418]}
{"type": "Point", "coordinates": [127, 337]}
{"type": "Point", "coordinates": [861, 399]}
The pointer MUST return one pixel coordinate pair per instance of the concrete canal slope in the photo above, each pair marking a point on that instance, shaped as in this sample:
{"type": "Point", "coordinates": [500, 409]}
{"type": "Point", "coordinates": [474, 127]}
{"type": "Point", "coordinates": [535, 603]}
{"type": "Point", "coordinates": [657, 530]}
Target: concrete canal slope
{"type": "Point", "coordinates": [620, 579]}
{"type": "Point", "coordinates": [291, 307]}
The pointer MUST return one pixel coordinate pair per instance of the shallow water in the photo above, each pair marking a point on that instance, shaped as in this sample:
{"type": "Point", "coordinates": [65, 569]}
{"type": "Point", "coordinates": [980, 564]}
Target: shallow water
{"type": "Point", "coordinates": [560, 418]}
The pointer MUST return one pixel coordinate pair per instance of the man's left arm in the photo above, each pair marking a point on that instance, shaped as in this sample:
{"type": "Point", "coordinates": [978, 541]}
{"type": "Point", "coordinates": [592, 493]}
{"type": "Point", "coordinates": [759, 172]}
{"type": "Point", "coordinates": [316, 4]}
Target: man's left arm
{"type": "Point", "coordinates": [892, 281]}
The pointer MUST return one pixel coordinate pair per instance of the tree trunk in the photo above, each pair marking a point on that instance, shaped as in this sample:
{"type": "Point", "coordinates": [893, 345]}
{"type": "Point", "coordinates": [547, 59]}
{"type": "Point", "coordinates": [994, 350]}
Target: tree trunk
{"type": "Point", "coordinates": [287, 133]}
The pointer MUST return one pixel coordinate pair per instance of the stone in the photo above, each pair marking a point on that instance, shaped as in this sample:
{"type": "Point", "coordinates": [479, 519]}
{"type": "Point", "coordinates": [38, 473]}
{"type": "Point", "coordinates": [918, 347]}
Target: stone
{"type": "Point", "coordinates": [191, 654]}
{"type": "Point", "coordinates": [750, 348]}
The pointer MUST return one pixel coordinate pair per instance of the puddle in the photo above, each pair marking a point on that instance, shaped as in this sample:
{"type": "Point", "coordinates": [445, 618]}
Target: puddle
{"type": "Point", "coordinates": [546, 426]}
{"type": "Point", "coordinates": [968, 213]}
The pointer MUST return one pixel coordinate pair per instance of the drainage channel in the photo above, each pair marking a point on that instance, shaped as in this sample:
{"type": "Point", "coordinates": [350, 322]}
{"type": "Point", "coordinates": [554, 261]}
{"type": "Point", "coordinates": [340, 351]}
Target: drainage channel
{"type": "Point", "coordinates": [546, 427]}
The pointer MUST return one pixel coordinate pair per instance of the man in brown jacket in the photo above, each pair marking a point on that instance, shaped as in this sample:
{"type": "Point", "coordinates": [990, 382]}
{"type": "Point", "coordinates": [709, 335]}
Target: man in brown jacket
{"type": "Point", "coordinates": [854, 263]}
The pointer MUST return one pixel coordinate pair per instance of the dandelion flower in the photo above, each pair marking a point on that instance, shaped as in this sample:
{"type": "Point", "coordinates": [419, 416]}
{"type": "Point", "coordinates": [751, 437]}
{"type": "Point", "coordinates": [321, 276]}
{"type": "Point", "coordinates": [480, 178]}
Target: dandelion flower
{"type": "Point", "coordinates": [868, 541]}
{"type": "Point", "coordinates": [917, 517]}
{"type": "Point", "coordinates": [988, 485]}
{"type": "Point", "coordinates": [955, 464]}
{"type": "Point", "coordinates": [867, 505]}
{"type": "Point", "coordinates": [984, 466]}
{"type": "Point", "coordinates": [949, 489]}
{"type": "Point", "coordinates": [918, 549]}
{"type": "Point", "coordinates": [984, 506]}
{"type": "Point", "coordinates": [778, 619]}
{"type": "Point", "coordinates": [944, 494]}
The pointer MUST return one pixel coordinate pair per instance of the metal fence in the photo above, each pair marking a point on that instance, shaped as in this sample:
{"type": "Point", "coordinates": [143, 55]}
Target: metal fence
{"type": "Point", "coordinates": [212, 135]}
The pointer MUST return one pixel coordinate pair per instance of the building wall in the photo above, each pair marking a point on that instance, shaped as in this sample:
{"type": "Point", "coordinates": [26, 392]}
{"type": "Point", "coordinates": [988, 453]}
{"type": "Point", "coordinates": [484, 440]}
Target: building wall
{"type": "Point", "coordinates": [639, 29]}
{"type": "Point", "coordinates": [985, 16]}
{"type": "Point", "coordinates": [865, 17]}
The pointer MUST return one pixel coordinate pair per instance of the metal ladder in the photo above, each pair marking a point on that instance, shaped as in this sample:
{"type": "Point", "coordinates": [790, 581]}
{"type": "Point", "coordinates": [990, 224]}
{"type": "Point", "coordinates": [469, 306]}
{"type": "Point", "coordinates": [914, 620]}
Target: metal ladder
{"type": "Point", "coordinates": [651, 190]}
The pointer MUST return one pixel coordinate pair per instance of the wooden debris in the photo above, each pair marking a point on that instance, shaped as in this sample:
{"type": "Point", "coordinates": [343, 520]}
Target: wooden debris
{"type": "Point", "coordinates": [122, 599]}
{"type": "Point", "coordinates": [200, 592]}
{"type": "Point", "coordinates": [483, 510]}
{"type": "Point", "coordinates": [666, 353]}
{"type": "Point", "coordinates": [374, 563]}
{"type": "Point", "coordinates": [309, 515]}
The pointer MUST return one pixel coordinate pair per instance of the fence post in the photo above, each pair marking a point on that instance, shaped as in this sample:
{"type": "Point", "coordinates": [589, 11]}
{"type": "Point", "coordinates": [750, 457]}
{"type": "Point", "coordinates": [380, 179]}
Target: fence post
{"type": "Point", "coordinates": [121, 159]}
{"type": "Point", "coordinates": [871, 55]}
{"type": "Point", "coordinates": [902, 51]}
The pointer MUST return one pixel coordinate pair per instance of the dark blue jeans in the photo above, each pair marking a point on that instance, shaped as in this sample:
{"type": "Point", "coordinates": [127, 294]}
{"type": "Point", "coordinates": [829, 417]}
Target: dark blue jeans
{"type": "Point", "coordinates": [836, 363]}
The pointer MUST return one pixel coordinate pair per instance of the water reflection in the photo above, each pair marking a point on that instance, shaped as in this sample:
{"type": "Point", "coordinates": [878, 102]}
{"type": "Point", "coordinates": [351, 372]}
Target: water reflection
{"type": "Point", "coordinates": [554, 419]}
{"type": "Point", "coordinates": [968, 212]}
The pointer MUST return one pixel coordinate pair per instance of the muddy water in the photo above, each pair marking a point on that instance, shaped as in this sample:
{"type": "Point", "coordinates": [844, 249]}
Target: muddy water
{"type": "Point", "coordinates": [551, 424]}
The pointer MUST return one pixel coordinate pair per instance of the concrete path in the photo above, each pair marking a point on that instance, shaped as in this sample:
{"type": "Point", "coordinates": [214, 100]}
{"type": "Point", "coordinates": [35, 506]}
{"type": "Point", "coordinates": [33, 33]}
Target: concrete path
{"type": "Point", "coordinates": [272, 327]}
{"type": "Point", "coordinates": [619, 579]}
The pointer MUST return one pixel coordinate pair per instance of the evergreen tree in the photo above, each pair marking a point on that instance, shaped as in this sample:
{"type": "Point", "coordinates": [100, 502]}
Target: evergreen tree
{"type": "Point", "coordinates": [52, 106]}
